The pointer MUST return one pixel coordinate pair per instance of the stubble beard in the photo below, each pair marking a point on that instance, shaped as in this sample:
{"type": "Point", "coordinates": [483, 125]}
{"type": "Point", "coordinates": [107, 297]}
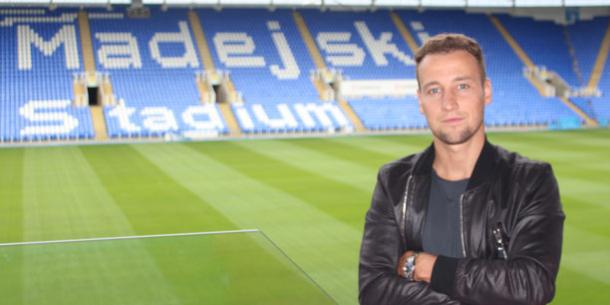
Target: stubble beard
{"type": "Point", "coordinates": [462, 137]}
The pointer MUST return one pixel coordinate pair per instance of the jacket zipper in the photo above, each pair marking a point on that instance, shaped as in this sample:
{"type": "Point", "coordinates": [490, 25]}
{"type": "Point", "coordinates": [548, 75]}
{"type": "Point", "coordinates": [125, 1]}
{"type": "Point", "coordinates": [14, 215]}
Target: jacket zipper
{"type": "Point", "coordinates": [462, 224]}
{"type": "Point", "coordinates": [404, 207]}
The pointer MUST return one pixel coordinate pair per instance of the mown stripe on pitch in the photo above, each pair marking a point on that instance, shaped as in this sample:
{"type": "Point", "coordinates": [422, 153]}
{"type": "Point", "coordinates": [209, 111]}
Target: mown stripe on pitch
{"type": "Point", "coordinates": [341, 149]}
{"type": "Point", "coordinates": [603, 165]}
{"type": "Point", "coordinates": [186, 206]}
{"type": "Point", "coordinates": [571, 155]}
{"type": "Point", "coordinates": [327, 249]}
{"type": "Point", "coordinates": [586, 216]}
{"type": "Point", "coordinates": [573, 287]}
{"type": "Point", "coordinates": [594, 192]}
{"type": "Point", "coordinates": [341, 171]}
{"type": "Point", "coordinates": [11, 212]}
{"type": "Point", "coordinates": [586, 169]}
{"type": "Point", "coordinates": [593, 264]}
{"type": "Point", "coordinates": [579, 281]}
{"type": "Point", "coordinates": [549, 142]}
{"type": "Point", "coordinates": [578, 239]}
{"type": "Point", "coordinates": [11, 221]}
{"type": "Point", "coordinates": [65, 199]}
{"type": "Point", "coordinates": [152, 201]}
{"type": "Point", "coordinates": [585, 137]}
{"type": "Point", "coordinates": [386, 150]}
{"type": "Point", "coordinates": [419, 141]}
{"type": "Point", "coordinates": [344, 202]}
{"type": "Point", "coordinates": [593, 140]}
{"type": "Point", "coordinates": [587, 253]}
{"type": "Point", "coordinates": [115, 272]}
{"type": "Point", "coordinates": [583, 273]}
{"type": "Point", "coordinates": [597, 198]}
{"type": "Point", "coordinates": [550, 154]}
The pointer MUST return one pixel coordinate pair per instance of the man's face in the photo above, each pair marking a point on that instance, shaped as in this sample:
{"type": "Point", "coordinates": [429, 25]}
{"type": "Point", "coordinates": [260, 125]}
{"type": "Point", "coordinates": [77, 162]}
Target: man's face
{"type": "Point", "coordinates": [452, 96]}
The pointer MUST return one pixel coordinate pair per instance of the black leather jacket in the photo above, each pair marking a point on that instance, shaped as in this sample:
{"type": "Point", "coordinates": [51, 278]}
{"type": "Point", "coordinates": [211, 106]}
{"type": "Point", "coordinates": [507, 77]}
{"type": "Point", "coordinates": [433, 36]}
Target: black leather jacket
{"type": "Point", "coordinates": [504, 188]}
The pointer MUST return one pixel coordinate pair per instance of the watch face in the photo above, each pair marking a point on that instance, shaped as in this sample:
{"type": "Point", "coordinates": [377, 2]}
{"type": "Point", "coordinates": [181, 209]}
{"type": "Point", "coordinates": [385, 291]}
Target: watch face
{"type": "Point", "coordinates": [409, 267]}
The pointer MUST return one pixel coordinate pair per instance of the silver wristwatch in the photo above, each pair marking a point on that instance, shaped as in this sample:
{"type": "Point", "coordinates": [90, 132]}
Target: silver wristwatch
{"type": "Point", "coordinates": [409, 267]}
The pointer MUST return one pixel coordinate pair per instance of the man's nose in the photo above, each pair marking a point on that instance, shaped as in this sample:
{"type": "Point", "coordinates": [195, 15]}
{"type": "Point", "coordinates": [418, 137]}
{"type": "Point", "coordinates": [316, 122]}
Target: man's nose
{"type": "Point", "coordinates": [449, 101]}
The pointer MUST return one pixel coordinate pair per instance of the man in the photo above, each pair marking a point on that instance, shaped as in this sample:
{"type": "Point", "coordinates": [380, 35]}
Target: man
{"type": "Point", "coordinates": [463, 222]}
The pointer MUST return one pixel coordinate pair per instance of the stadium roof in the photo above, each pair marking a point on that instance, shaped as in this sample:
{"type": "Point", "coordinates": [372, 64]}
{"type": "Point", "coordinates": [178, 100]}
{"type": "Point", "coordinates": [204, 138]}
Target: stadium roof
{"type": "Point", "coordinates": [331, 3]}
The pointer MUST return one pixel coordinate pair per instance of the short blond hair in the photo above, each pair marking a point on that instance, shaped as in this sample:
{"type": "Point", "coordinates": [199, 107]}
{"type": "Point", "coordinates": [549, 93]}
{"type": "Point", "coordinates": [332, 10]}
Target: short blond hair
{"type": "Point", "coordinates": [450, 42]}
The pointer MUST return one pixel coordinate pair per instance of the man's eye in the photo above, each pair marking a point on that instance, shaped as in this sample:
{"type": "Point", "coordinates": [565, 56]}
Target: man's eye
{"type": "Point", "coordinates": [434, 91]}
{"type": "Point", "coordinates": [463, 86]}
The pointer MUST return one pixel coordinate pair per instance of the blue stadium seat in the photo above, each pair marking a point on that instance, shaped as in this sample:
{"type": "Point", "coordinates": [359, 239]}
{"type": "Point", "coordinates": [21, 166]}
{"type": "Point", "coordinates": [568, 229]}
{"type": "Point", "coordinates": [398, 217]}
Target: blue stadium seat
{"type": "Point", "coordinates": [586, 37]}
{"type": "Point", "coordinates": [272, 72]}
{"type": "Point", "coordinates": [389, 114]}
{"type": "Point", "coordinates": [377, 50]}
{"type": "Point", "coordinates": [515, 100]}
{"type": "Point", "coordinates": [38, 60]}
{"type": "Point", "coordinates": [152, 64]}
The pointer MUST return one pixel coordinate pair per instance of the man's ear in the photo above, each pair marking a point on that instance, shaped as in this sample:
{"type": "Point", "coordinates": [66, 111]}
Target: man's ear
{"type": "Point", "coordinates": [487, 91]}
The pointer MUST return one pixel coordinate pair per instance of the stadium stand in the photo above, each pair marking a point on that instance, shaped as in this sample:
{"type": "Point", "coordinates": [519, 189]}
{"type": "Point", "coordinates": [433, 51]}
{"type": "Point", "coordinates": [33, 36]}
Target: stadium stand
{"type": "Point", "coordinates": [515, 101]}
{"type": "Point", "coordinates": [152, 64]}
{"type": "Point", "coordinates": [40, 53]}
{"type": "Point", "coordinates": [552, 52]}
{"type": "Point", "coordinates": [384, 114]}
{"type": "Point", "coordinates": [270, 66]}
{"type": "Point", "coordinates": [374, 49]}
{"type": "Point", "coordinates": [367, 46]}
{"type": "Point", "coordinates": [586, 37]}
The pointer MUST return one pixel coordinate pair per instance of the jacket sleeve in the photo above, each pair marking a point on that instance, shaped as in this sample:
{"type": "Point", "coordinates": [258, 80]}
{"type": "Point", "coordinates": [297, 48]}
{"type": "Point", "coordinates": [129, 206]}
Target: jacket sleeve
{"type": "Point", "coordinates": [381, 248]}
{"type": "Point", "coordinates": [534, 251]}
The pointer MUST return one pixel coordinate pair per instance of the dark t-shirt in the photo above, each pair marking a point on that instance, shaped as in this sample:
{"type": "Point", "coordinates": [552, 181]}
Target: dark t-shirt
{"type": "Point", "coordinates": [442, 226]}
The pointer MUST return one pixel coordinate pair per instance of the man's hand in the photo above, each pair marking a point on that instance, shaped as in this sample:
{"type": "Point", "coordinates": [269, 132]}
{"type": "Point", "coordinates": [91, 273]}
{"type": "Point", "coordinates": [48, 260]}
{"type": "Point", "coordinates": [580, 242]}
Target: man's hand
{"type": "Point", "coordinates": [424, 263]}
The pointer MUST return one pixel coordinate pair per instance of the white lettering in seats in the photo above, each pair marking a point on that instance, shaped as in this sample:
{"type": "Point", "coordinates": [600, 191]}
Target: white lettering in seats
{"type": "Point", "coordinates": [340, 54]}
{"type": "Point", "coordinates": [188, 59]}
{"type": "Point", "coordinates": [118, 51]}
{"type": "Point", "coordinates": [53, 122]}
{"type": "Point", "coordinates": [382, 45]}
{"type": "Point", "coordinates": [27, 37]}
{"type": "Point", "coordinates": [233, 50]}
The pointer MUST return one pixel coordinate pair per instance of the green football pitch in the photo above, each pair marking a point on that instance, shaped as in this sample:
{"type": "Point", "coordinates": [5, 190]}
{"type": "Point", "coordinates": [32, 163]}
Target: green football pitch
{"type": "Point", "coordinates": [265, 221]}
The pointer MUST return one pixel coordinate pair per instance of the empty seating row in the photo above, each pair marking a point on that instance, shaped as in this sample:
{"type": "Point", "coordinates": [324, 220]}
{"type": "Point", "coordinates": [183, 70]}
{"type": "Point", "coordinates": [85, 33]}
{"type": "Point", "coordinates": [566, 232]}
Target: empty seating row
{"type": "Point", "coordinates": [152, 64]}
{"type": "Point", "coordinates": [290, 117]}
{"type": "Point", "coordinates": [189, 121]}
{"type": "Point", "coordinates": [38, 56]}
{"type": "Point", "coordinates": [384, 114]}
{"type": "Point", "coordinates": [514, 100]}
{"type": "Point", "coordinates": [151, 61]}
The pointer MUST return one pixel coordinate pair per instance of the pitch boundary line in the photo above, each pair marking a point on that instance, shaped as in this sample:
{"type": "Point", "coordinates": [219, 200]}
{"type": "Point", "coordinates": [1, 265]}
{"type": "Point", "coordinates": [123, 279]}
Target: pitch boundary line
{"type": "Point", "coordinates": [64, 241]}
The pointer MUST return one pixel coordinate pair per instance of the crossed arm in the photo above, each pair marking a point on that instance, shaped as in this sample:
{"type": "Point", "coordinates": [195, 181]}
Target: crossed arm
{"type": "Point", "coordinates": [527, 277]}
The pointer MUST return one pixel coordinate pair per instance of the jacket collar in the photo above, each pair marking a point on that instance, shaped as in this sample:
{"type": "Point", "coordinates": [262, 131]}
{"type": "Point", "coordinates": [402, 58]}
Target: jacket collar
{"type": "Point", "coordinates": [482, 169]}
